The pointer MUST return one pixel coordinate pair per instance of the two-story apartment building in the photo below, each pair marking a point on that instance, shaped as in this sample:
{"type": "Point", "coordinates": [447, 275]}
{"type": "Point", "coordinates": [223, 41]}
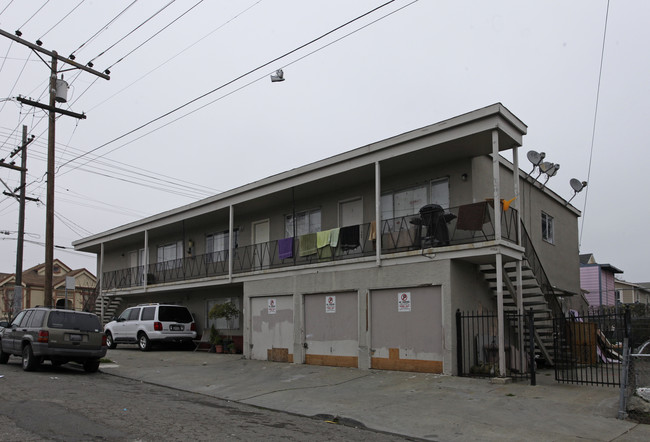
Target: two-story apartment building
{"type": "Point", "coordinates": [361, 259]}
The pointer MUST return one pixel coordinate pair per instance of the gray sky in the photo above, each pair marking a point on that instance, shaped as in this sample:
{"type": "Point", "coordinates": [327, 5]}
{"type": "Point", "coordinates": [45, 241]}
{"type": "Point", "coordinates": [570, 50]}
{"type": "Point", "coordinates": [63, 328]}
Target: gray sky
{"type": "Point", "coordinates": [426, 62]}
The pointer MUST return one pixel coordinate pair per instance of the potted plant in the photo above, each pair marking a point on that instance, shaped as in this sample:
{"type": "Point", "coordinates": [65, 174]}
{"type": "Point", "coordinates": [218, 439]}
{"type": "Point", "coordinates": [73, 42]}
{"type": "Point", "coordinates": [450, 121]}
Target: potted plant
{"type": "Point", "coordinates": [232, 349]}
{"type": "Point", "coordinates": [215, 340]}
{"type": "Point", "coordinates": [228, 311]}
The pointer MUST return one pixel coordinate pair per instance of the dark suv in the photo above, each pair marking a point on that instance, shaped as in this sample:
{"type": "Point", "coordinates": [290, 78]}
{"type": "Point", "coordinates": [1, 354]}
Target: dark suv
{"type": "Point", "coordinates": [60, 336]}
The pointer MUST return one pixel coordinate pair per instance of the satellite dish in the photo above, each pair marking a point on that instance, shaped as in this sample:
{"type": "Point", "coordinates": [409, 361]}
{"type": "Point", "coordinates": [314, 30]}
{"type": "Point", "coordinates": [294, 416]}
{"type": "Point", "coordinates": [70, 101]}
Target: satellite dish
{"type": "Point", "coordinates": [550, 169]}
{"type": "Point", "coordinates": [577, 186]}
{"type": "Point", "coordinates": [278, 76]}
{"type": "Point", "coordinates": [536, 158]}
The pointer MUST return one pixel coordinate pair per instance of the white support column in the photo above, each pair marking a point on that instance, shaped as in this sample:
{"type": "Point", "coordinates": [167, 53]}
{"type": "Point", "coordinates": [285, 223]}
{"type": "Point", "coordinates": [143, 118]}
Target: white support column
{"type": "Point", "coordinates": [378, 212]}
{"type": "Point", "coordinates": [519, 283]}
{"type": "Point", "coordinates": [146, 259]}
{"type": "Point", "coordinates": [496, 178]}
{"type": "Point", "coordinates": [496, 169]}
{"type": "Point", "coordinates": [500, 316]}
{"type": "Point", "coordinates": [100, 277]}
{"type": "Point", "coordinates": [231, 249]}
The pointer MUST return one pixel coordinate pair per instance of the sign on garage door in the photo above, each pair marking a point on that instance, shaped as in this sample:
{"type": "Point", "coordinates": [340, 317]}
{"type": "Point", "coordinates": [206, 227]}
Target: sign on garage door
{"type": "Point", "coordinates": [272, 328]}
{"type": "Point", "coordinates": [406, 329]}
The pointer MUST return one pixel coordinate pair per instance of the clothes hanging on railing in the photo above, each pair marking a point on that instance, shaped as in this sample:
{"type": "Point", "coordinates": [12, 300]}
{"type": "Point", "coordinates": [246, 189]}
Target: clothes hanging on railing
{"type": "Point", "coordinates": [285, 248]}
{"type": "Point", "coordinates": [349, 237]}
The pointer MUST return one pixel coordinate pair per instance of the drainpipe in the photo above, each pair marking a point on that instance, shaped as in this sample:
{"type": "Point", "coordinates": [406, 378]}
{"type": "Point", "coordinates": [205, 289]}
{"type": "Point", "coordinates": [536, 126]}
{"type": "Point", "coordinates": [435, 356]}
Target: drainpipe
{"type": "Point", "coordinates": [101, 279]}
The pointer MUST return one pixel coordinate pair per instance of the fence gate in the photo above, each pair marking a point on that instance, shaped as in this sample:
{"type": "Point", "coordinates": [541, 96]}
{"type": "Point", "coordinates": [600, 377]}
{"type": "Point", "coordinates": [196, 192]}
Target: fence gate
{"type": "Point", "coordinates": [588, 347]}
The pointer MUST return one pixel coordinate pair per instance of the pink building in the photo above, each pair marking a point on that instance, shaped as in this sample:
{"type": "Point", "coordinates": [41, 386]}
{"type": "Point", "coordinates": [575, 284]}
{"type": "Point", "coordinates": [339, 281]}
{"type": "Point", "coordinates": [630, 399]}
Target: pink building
{"type": "Point", "coordinates": [598, 281]}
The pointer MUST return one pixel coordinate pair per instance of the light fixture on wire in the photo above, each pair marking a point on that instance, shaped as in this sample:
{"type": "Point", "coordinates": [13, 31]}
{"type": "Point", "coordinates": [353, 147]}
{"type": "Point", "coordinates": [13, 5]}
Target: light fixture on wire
{"type": "Point", "coordinates": [278, 76]}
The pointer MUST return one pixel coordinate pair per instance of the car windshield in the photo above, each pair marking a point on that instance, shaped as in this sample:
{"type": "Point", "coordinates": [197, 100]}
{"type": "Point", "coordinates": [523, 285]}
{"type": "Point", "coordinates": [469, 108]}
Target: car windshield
{"type": "Point", "coordinates": [73, 320]}
{"type": "Point", "coordinates": [174, 314]}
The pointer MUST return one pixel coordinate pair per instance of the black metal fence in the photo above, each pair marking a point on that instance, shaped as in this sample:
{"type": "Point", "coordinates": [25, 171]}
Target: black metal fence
{"type": "Point", "coordinates": [588, 347]}
{"type": "Point", "coordinates": [477, 348]}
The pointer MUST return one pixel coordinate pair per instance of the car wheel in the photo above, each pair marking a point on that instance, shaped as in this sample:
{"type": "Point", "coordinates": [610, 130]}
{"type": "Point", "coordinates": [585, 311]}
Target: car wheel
{"type": "Point", "coordinates": [29, 361]}
{"type": "Point", "coordinates": [4, 357]}
{"type": "Point", "coordinates": [91, 366]}
{"type": "Point", "coordinates": [144, 342]}
{"type": "Point", "coordinates": [109, 341]}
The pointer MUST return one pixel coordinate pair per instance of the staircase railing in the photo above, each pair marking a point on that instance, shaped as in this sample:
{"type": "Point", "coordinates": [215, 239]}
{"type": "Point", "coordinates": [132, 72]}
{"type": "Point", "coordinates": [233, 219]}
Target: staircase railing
{"type": "Point", "coordinates": [540, 275]}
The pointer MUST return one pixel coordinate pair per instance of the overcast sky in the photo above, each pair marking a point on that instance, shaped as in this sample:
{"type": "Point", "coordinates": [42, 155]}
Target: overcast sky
{"type": "Point", "coordinates": [404, 66]}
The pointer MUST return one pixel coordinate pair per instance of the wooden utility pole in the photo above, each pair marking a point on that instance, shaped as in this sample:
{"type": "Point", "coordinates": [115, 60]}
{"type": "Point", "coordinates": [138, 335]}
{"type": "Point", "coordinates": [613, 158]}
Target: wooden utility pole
{"type": "Point", "coordinates": [49, 212]}
{"type": "Point", "coordinates": [18, 286]}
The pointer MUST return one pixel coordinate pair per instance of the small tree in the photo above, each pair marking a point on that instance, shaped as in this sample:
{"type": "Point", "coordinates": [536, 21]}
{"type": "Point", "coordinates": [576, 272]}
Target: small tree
{"type": "Point", "coordinates": [227, 310]}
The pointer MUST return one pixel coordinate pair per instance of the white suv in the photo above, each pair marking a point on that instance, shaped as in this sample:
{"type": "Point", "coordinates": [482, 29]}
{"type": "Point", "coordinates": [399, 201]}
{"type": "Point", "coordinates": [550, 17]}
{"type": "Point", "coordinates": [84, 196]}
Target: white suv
{"type": "Point", "coordinates": [147, 323]}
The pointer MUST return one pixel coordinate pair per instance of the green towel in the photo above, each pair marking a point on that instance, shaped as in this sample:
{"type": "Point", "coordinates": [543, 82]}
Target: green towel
{"type": "Point", "coordinates": [334, 238]}
{"type": "Point", "coordinates": [307, 245]}
{"type": "Point", "coordinates": [323, 238]}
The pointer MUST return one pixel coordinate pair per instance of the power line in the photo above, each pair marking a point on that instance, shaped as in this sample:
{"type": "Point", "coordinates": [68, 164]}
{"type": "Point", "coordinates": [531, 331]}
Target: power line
{"type": "Point", "coordinates": [132, 31]}
{"type": "Point", "coordinates": [593, 131]}
{"type": "Point", "coordinates": [71, 56]}
{"type": "Point", "coordinates": [142, 126]}
{"type": "Point", "coordinates": [176, 55]}
{"type": "Point", "coordinates": [30, 18]}
{"type": "Point", "coordinates": [156, 34]}
{"type": "Point", "coordinates": [59, 22]}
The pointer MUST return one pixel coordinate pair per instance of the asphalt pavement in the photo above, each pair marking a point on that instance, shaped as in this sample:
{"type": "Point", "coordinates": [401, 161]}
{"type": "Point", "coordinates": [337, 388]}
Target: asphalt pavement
{"type": "Point", "coordinates": [418, 405]}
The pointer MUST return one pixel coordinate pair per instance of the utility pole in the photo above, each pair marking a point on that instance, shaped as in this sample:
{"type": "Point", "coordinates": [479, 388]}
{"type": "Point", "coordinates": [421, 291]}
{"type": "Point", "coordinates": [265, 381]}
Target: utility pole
{"type": "Point", "coordinates": [49, 211]}
{"type": "Point", "coordinates": [18, 286]}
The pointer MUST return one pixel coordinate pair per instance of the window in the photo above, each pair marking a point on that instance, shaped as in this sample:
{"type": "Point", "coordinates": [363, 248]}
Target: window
{"type": "Point", "coordinates": [409, 201]}
{"type": "Point", "coordinates": [216, 245]}
{"type": "Point", "coordinates": [547, 228]}
{"type": "Point", "coordinates": [148, 313]}
{"type": "Point", "coordinates": [134, 315]}
{"type": "Point", "coordinates": [170, 255]}
{"type": "Point", "coordinates": [618, 295]}
{"type": "Point", "coordinates": [306, 222]}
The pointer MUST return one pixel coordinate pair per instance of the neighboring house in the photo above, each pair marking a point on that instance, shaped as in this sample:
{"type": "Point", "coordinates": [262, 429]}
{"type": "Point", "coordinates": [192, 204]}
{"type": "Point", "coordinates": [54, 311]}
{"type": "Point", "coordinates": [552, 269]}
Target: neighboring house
{"type": "Point", "coordinates": [598, 281]}
{"type": "Point", "coordinates": [361, 259]}
{"type": "Point", "coordinates": [33, 282]}
{"type": "Point", "coordinates": [631, 293]}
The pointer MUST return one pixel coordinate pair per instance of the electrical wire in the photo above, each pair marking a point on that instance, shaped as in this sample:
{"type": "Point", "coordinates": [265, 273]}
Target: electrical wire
{"type": "Point", "coordinates": [176, 55]}
{"type": "Point", "coordinates": [5, 8]}
{"type": "Point", "coordinates": [132, 31]}
{"type": "Point", "coordinates": [142, 126]}
{"type": "Point", "coordinates": [59, 22]}
{"type": "Point", "coordinates": [16, 82]}
{"type": "Point", "coordinates": [156, 34]}
{"type": "Point", "coordinates": [103, 28]}
{"type": "Point", "coordinates": [33, 15]}
{"type": "Point", "coordinates": [593, 131]}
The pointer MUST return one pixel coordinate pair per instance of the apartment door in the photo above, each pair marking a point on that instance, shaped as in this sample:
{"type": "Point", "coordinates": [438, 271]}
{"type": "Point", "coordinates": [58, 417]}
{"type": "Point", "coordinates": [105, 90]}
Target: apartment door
{"type": "Point", "coordinates": [272, 328]}
{"type": "Point", "coordinates": [261, 238]}
{"type": "Point", "coordinates": [351, 214]}
{"type": "Point", "coordinates": [136, 265]}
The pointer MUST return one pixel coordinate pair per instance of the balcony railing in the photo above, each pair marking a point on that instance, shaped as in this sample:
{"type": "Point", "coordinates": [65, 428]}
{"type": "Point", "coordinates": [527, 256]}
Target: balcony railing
{"type": "Point", "coordinates": [466, 224]}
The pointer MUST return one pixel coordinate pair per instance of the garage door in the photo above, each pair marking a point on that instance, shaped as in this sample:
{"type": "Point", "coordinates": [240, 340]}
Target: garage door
{"type": "Point", "coordinates": [331, 331]}
{"type": "Point", "coordinates": [272, 328]}
{"type": "Point", "coordinates": [406, 329]}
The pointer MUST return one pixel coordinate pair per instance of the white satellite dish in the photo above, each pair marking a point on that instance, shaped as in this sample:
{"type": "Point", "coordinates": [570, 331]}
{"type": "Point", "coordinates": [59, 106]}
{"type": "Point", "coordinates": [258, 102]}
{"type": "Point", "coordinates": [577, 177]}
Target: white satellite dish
{"type": "Point", "coordinates": [550, 169]}
{"type": "Point", "coordinates": [536, 159]}
{"type": "Point", "coordinates": [577, 186]}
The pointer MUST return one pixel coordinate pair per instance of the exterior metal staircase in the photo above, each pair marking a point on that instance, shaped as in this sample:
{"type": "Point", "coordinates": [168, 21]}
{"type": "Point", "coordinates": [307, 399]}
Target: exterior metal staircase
{"type": "Point", "coordinates": [111, 307]}
{"type": "Point", "coordinates": [537, 295]}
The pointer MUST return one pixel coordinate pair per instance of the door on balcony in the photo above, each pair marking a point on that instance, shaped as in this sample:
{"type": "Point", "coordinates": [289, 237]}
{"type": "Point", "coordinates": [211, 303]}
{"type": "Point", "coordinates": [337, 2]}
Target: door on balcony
{"type": "Point", "coordinates": [261, 238]}
{"type": "Point", "coordinates": [136, 267]}
{"type": "Point", "coordinates": [351, 214]}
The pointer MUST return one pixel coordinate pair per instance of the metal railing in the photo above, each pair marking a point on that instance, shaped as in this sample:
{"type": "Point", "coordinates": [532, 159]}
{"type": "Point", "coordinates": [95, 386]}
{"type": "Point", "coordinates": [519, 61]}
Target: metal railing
{"type": "Point", "coordinates": [477, 349]}
{"type": "Point", "coordinates": [398, 234]}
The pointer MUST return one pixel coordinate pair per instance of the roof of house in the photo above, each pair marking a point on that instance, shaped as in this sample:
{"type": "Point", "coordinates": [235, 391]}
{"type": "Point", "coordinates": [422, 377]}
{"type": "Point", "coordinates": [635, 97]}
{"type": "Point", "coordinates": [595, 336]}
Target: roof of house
{"type": "Point", "coordinates": [587, 259]}
{"type": "Point", "coordinates": [35, 276]}
{"type": "Point", "coordinates": [467, 135]}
